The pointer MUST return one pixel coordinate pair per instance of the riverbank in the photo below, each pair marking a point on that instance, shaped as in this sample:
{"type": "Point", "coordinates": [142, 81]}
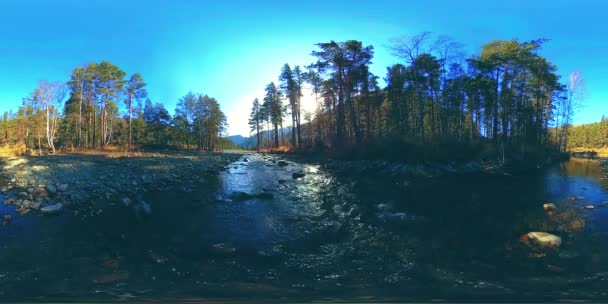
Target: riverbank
{"type": "Point", "coordinates": [584, 152]}
{"type": "Point", "coordinates": [79, 181]}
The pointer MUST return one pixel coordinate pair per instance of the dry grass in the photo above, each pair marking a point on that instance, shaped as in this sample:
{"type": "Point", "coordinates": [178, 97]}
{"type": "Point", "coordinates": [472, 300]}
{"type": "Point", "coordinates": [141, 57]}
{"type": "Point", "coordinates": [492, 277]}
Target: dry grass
{"type": "Point", "coordinates": [280, 149]}
{"type": "Point", "coordinates": [10, 151]}
{"type": "Point", "coordinates": [601, 152]}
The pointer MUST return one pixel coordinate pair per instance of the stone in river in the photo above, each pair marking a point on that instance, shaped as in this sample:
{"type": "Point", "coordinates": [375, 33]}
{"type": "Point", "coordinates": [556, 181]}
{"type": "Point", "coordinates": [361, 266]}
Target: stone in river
{"type": "Point", "coordinates": [51, 209]}
{"type": "Point", "coordinates": [589, 207]}
{"type": "Point", "coordinates": [50, 188]}
{"type": "Point", "coordinates": [298, 175]}
{"type": "Point", "coordinates": [541, 240]}
{"type": "Point", "coordinates": [62, 187]}
{"type": "Point", "coordinates": [549, 207]}
{"type": "Point", "coordinates": [223, 248]}
{"type": "Point", "coordinates": [282, 163]}
{"type": "Point", "coordinates": [112, 277]}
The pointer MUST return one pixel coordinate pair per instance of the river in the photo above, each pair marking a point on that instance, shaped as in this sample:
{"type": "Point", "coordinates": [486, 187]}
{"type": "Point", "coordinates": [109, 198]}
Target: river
{"type": "Point", "coordinates": [260, 230]}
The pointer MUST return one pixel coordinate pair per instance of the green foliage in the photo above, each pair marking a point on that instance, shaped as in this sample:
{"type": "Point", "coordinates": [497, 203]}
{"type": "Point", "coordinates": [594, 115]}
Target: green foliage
{"type": "Point", "coordinates": [92, 115]}
{"type": "Point", "coordinates": [594, 135]}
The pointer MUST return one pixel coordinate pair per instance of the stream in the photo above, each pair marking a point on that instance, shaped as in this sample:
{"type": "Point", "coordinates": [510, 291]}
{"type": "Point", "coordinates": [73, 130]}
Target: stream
{"type": "Point", "coordinates": [292, 231]}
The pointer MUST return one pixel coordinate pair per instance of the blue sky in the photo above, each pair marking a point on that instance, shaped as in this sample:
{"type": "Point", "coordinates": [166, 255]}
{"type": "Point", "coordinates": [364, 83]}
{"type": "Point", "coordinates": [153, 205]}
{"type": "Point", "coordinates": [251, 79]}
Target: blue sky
{"type": "Point", "coordinates": [232, 49]}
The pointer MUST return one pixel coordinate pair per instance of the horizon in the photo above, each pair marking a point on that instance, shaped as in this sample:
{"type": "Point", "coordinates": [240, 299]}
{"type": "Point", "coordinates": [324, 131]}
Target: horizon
{"type": "Point", "coordinates": [187, 46]}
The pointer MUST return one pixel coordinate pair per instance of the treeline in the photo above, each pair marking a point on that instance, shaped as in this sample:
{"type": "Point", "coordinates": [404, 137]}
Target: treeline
{"type": "Point", "coordinates": [98, 108]}
{"type": "Point", "coordinates": [594, 135]}
{"type": "Point", "coordinates": [508, 96]}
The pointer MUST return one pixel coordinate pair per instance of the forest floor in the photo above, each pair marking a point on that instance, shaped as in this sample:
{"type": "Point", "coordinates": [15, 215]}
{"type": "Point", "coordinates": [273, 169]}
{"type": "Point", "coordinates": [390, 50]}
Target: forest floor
{"type": "Point", "coordinates": [75, 179]}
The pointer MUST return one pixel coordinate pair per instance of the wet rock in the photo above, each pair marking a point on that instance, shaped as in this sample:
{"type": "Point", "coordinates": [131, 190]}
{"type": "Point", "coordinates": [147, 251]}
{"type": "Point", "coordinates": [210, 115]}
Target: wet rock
{"type": "Point", "coordinates": [243, 196]}
{"type": "Point", "coordinates": [50, 188]}
{"type": "Point", "coordinates": [125, 201]}
{"type": "Point", "coordinates": [603, 204]}
{"type": "Point", "coordinates": [555, 269]}
{"type": "Point", "coordinates": [62, 187]}
{"type": "Point", "coordinates": [111, 263]}
{"type": "Point", "coordinates": [549, 207]}
{"type": "Point", "coordinates": [142, 208]}
{"type": "Point", "coordinates": [282, 163]}
{"type": "Point", "coordinates": [297, 175]}
{"type": "Point", "coordinates": [52, 209]}
{"type": "Point", "coordinates": [541, 241]}
{"type": "Point", "coordinates": [589, 207]}
{"type": "Point", "coordinates": [246, 159]}
{"type": "Point", "coordinates": [575, 225]}
{"type": "Point", "coordinates": [399, 217]}
{"type": "Point", "coordinates": [223, 248]}
{"type": "Point", "coordinates": [281, 181]}
{"type": "Point", "coordinates": [24, 211]}
{"type": "Point", "coordinates": [157, 258]}
{"type": "Point", "coordinates": [111, 278]}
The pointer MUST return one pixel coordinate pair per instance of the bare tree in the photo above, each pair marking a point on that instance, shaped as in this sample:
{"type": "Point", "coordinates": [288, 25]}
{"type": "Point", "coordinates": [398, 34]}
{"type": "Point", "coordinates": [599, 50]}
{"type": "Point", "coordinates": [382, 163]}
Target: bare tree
{"type": "Point", "coordinates": [51, 97]}
{"type": "Point", "coordinates": [575, 90]}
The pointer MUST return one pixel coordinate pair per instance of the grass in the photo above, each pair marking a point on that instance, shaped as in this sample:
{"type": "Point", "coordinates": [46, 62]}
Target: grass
{"type": "Point", "coordinates": [12, 150]}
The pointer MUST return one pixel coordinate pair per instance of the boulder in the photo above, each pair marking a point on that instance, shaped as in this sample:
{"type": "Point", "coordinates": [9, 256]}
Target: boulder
{"type": "Point", "coordinates": [282, 163]}
{"type": "Point", "coordinates": [297, 175]}
{"type": "Point", "coordinates": [50, 188]}
{"type": "Point", "coordinates": [549, 207]}
{"type": "Point", "coordinates": [52, 209]}
{"type": "Point", "coordinates": [541, 240]}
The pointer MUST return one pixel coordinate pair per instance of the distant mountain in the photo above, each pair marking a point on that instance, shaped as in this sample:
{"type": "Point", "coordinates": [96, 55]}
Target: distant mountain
{"type": "Point", "coordinates": [238, 139]}
{"type": "Point", "coordinates": [251, 142]}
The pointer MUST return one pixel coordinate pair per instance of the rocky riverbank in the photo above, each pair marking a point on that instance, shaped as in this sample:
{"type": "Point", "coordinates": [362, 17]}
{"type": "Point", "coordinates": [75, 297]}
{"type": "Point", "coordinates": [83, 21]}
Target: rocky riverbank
{"type": "Point", "coordinates": [79, 181]}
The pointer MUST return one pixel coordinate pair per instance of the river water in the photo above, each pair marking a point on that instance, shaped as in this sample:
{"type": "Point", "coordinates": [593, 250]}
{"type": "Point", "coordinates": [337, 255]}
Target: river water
{"type": "Point", "coordinates": [259, 231]}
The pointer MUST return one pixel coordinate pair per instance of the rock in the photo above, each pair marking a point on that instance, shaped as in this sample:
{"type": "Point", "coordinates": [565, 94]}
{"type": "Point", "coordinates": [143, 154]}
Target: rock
{"type": "Point", "coordinates": [223, 248]}
{"type": "Point", "coordinates": [23, 195]}
{"type": "Point", "coordinates": [52, 209]}
{"type": "Point", "coordinates": [126, 201]}
{"type": "Point", "coordinates": [549, 207]}
{"type": "Point", "coordinates": [282, 163]}
{"type": "Point", "coordinates": [111, 278]}
{"type": "Point", "coordinates": [50, 188]}
{"type": "Point", "coordinates": [243, 196]}
{"type": "Point", "coordinates": [24, 211]}
{"type": "Point", "coordinates": [41, 193]}
{"type": "Point", "coordinates": [7, 217]}
{"type": "Point", "coordinates": [246, 159]}
{"type": "Point", "coordinates": [297, 175]}
{"type": "Point", "coordinates": [281, 181]}
{"type": "Point", "coordinates": [575, 225]}
{"type": "Point", "coordinates": [541, 240]}
{"type": "Point", "coordinates": [35, 205]}
{"type": "Point", "coordinates": [62, 187]}
{"type": "Point", "coordinates": [589, 207]}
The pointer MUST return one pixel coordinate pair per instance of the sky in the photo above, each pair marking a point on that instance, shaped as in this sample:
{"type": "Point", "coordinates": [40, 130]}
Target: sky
{"type": "Point", "coordinates": [231, 49]}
